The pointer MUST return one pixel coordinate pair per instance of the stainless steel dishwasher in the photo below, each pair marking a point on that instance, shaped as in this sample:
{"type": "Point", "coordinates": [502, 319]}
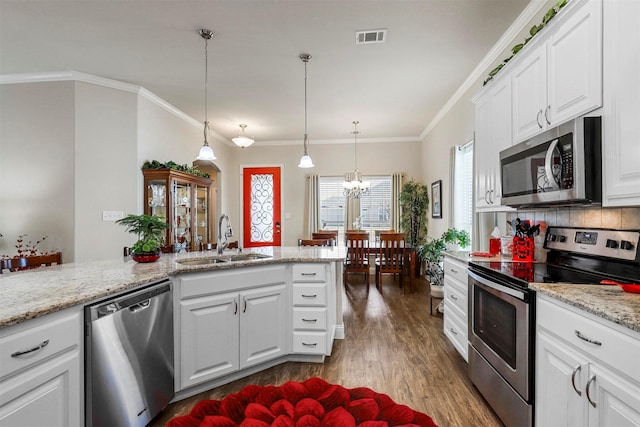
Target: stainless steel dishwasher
{"type": "Point", "coordinates": [129, 357]}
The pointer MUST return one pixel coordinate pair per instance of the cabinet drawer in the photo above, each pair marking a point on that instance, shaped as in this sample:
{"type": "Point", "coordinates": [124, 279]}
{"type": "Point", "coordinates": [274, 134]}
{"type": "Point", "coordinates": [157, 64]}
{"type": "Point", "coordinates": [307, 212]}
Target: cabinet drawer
{"type": "Point", "coordinates": [454, 297]}
{"type": "Point", "coordinates": [310, 342]}
{"type": "Point", "coordinates": [310, 318]}
{"type": "Point", "coordinates": [315, 295]}
{"type": "Point", "coordinates": [617, 349]}
{"type": "Point", "coordinates": [455, 269]}
{"type": "Point", "coordinates": [50, 335]}
{"type": "Point", "coordinates": [456, 332]}
{"type": "Point", "coordinates": [309, 273]}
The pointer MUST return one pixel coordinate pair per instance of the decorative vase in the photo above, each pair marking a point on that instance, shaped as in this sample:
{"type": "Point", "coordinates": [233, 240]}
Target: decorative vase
{"type": "Point", "coordinates": [437, 291]}
{"type": "Point", "coordinates": [146, 256]}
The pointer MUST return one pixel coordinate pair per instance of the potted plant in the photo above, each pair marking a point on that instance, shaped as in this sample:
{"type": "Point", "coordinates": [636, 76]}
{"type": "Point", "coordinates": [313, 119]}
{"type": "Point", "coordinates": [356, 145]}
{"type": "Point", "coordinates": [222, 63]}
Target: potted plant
{"type": "Point", "coordinates": [414, 201]}
{"type": "Point", "coordinates": [150, 231]}
{"type": "Point", "coordinates": [432, 253]}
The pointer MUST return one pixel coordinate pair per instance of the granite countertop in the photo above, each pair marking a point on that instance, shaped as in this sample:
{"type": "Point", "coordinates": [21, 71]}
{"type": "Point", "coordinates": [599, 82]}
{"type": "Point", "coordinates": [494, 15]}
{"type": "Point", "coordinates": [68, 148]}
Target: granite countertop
{"type": "Point", "coordinates": [29, 294]}
{"type": "Point", "coordinates": [605, 301]}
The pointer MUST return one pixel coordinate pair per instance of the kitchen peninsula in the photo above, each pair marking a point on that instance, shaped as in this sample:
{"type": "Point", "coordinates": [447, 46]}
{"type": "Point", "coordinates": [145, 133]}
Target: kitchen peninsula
{"type": "Point", "coordinates": [276, 292]}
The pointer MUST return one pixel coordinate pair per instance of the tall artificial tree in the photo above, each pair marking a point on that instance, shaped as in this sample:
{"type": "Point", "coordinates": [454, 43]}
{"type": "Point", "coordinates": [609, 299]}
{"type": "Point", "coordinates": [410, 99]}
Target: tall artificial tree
{"type": "Point", "coordinates": [414, 203]}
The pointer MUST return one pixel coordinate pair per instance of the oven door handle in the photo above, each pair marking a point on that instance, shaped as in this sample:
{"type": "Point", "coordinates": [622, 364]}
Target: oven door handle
{"type": "Point", "coordinates": [497, 287]}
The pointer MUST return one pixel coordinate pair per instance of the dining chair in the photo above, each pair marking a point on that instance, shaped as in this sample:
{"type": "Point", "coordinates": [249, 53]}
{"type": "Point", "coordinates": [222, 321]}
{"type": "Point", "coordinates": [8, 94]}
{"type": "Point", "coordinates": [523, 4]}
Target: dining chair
{"type": "Point", "coordinates": [27, 263]}
{"type": "Point", "coordinates": [326, 234]}
{"type": "Point", "coordinates": [390, 257]}
{"type": "Point", "coordinates": [357, 256]}
{"type": "Point", "coordinates": [315, 242]}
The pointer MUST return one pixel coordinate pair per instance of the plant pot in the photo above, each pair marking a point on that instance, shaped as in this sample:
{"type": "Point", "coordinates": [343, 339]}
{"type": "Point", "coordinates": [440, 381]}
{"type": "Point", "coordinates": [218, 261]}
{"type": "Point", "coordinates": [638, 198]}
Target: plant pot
{"type": "Point", "coordinates": [146, 256]}
{"type": "Point", "coordinates": [437, 291]}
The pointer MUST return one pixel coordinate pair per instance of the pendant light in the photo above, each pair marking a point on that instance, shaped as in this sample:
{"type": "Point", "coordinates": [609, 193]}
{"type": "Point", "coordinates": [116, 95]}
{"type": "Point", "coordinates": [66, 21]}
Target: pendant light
{"type": "Point", "coordinates": [242, 140]}
{"type": "Point", "coordinates": [305, 160]}
{"type": "Point", "coordinates": [353, 184]}
{"type": "Point", "coordinates": [206, 152]}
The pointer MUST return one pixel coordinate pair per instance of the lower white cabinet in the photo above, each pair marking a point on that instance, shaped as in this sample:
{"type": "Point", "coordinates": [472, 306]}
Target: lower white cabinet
{"type": "Point", "coordinates": [40, 372]}
{"type": "Point", "coordinates": [455, 306]}
{"type": "Point", "coordinates": [587, 371]}
{"type": "Point", "coordinates": [222, 330]}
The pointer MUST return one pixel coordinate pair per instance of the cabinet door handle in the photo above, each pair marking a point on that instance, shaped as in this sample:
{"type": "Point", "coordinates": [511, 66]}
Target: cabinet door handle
{"type": "Point", "coordinates": [453, 270]}
{"type": "Point", "coordinates": [308, 274]}
{"type": "Point", "coordinates": [546, 114]}
{"type": "Point", "coordinates": [40, 346]}
{"type": "Point", "coordinates": [309, 296]}
{"type": "Point", "coordinates": [312, 344]}
{"type": "Point", "coordinates": [583, 338]}
{"type": "Point", "coordinates": [453, 297]}
{"type": "Point", "coordinates": [538, 119]}
{"type": "Point", "coordinates": [453, 331]}
{"type": "Point", "coordinates": [309, 320]}
{"type": "Point", "coordinates": [235, 311]}
{"type": "Point", "coordinates": [592, 379]}
{"type": "Point", "coordinates": [244, 310]}
{"type": "Point", "coordinates": [573, 379]}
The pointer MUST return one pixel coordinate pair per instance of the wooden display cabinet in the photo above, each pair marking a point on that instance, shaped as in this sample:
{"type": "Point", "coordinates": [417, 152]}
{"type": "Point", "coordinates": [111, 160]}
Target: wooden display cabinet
{"type": "Point", "coordinates": [185, 201]}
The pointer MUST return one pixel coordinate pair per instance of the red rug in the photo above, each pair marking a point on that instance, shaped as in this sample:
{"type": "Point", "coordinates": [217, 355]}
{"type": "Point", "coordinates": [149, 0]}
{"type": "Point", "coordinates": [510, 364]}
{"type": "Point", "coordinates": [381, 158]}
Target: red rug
{"type": "Point", "coordinates": [311, 403]}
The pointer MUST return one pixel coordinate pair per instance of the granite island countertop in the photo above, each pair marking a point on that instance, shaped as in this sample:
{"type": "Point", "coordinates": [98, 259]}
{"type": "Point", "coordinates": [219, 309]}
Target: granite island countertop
{"type": "Point", "coordinates": [605, 301]}
{"type": "Point", "coordinates": [29, 294]}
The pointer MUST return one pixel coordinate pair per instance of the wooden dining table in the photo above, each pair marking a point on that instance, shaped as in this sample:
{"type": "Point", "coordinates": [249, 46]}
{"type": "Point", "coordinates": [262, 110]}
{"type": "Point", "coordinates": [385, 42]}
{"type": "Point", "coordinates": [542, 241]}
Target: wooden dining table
{"type": "Point", "coordinates": [410, 261]}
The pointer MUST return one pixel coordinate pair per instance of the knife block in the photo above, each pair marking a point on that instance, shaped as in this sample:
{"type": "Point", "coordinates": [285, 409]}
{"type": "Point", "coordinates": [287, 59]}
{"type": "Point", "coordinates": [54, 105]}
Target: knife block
{"type": "Point", "coordinates": [523, 249]}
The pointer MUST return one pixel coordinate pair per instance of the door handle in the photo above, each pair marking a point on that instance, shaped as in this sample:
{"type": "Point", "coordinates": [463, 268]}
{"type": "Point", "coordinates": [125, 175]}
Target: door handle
{"type": "Point", "coordinates": [592, 379]}
{"type": "Point", "coordinates": [277, 228]}
{"type": "Point", "coordinates": [573, 379]}
{"type": "Point", "coordinates": [538, 119]}
{"type": "Point", "coordinates": [40, 346]}
{"type": "Point", "coordinates": [548, 167]}
{"type": "Point", "coordinates": [546, 114]}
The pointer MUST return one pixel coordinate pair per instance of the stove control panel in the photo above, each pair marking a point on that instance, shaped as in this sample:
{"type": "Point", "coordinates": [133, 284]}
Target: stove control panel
{"type": "Point", "coordinates": [618, 244]}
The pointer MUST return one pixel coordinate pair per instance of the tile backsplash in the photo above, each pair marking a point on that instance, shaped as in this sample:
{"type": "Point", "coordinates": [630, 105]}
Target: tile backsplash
{"type": "Point", "coordinates": [597, 217]}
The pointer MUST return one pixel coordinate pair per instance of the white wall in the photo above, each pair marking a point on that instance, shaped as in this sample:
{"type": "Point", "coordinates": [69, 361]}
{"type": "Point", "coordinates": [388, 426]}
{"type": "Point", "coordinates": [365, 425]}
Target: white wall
{"type": "Point", "coordinates": [36, 166]}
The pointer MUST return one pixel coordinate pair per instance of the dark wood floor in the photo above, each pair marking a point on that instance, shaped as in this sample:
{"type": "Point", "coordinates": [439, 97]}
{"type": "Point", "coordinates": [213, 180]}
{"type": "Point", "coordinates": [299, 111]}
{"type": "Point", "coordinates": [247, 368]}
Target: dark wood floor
{"type": "Point", "coordinates": [393, 346]}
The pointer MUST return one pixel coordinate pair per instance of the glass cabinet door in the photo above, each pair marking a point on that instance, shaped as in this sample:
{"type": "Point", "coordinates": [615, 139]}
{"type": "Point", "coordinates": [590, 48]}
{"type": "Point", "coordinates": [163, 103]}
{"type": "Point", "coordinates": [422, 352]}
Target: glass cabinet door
{"type": "Point", "coordinates": [181, 234]}
{"type": "Point", "coordinates": [157, 200]}
{"type": "Point", "coordinates": [201, 216]}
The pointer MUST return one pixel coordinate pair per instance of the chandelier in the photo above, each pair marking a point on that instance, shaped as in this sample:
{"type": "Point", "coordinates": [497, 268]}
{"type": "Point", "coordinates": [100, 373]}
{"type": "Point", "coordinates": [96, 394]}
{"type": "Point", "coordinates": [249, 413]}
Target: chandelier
{"type": "Point", "coordinates": [242, 140]}
{"type": "Point", "coordinates": [206, 152]}
{"type": "Point", "coordinates": [305, 160]}
{"type": "Point", "coordinates": [353, 184]}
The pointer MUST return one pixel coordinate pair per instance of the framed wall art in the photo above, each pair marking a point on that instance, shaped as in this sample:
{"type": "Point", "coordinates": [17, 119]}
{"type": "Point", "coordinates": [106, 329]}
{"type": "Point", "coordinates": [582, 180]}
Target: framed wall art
{"type": "Point", "coordinates": [436, 199]}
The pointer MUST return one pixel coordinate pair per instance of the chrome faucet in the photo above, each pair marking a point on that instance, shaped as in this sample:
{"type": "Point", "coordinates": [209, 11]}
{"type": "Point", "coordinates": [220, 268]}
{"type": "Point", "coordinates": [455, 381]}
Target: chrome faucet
{"type": "Point", "coordinates": [223, 237]}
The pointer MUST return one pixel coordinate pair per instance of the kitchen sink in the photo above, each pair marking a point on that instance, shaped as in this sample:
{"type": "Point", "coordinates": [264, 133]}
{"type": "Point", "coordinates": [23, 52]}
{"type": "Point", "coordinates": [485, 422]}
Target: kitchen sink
{"type": "Point", "coordinates": [222, 259]}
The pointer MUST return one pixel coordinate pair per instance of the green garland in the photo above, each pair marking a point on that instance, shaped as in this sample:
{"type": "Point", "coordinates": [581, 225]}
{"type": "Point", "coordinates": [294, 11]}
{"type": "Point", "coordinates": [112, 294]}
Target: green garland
{"type": "Point", "coordinates": [154, 164]}
{"type": "Point", "coordinates": [533, 31]}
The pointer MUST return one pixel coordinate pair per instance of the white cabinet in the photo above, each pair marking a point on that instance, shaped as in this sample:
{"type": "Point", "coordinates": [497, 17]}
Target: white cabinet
{"type": "Point", "coordinates": [312, 323]}
{"type": "Point", "coordinates": [455, 306]}
{"type": "Point", "coordinates": [229, 320]}
{"type": "Point", "coordinates": [40, 371]}
{"type": "Point", "coordinates": [621, 127]}
{"type": "Point", "coordinates": [558, 76]}
{"type": "Point", "coordinates": [493, 134]}
{"type": "Point", "coordinates": [587, 370]}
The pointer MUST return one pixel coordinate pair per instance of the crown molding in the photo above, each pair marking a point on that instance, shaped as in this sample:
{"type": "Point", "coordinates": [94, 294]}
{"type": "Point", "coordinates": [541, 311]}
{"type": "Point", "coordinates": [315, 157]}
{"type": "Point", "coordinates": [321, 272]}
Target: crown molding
{"type": "Point", "coordinates": [76, 76]}
{"type": "Point", "coordinates": [528, 14]}
{"type": "Point", "coordinates": [344, 141]}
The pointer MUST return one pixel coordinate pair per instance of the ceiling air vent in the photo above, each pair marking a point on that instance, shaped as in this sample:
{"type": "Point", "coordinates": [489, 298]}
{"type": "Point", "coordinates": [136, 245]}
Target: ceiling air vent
{"type": "Point", "coordinates": [371, 36]}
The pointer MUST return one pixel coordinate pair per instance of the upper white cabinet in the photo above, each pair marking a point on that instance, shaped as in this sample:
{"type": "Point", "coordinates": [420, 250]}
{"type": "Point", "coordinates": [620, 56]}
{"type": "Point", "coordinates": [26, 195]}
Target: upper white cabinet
{"type": "Point", "coordinates": [493, 134]}
{"type": "Point", "coordinates": [558, 76]}
{"type": "Point", "coordinates": [621, 117]}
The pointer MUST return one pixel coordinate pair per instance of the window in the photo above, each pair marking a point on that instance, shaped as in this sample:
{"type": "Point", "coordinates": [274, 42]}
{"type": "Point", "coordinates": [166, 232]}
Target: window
{"type": "Point", "coordinates": [375, 208]}
{"type": "Point", "coordinates": [463, 187]}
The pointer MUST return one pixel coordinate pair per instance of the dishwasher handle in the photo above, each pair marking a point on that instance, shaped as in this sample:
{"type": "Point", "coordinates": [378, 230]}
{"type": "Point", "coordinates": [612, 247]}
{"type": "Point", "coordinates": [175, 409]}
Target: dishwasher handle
{"type": "Point", "coordinates": [134, 301]}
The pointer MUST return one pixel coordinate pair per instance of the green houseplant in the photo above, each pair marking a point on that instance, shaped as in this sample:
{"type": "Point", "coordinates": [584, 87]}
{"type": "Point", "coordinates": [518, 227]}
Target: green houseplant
{"type": "Point", "coordinates": [414, 201]}
{"type": "Point", "coordinates": [432, 252]}
{"type": "Point", "coordinates": [150, 231]}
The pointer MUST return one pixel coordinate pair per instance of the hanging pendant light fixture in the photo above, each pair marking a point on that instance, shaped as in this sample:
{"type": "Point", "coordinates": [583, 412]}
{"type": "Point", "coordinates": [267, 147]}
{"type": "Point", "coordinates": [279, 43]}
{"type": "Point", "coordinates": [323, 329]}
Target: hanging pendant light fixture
{"type": "Point", "coordinates": [353, 184]}
{"type": "Point", "coordinates": [242, 140]}
{"type": "Point", "coordinates": [206, 152]}
{"type": "Point", "coordinates": [305, 160]}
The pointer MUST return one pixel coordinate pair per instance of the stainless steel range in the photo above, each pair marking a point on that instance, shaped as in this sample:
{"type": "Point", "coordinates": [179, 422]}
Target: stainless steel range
{"type": "Point", "coordinates": [502, 309]}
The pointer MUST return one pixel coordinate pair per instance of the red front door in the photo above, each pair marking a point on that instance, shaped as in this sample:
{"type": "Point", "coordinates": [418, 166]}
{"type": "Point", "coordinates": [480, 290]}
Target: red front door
{"type": "Point", "coordinates": [261, 207]}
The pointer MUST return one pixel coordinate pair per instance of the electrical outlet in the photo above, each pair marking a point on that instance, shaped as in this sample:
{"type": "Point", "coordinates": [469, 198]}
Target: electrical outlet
{"type": "Point", "coordinates": [112, 215]}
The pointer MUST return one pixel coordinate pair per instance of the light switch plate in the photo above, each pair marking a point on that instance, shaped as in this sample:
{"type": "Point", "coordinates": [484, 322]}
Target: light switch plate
{"type": "Point", "coordinates": [112, 215]}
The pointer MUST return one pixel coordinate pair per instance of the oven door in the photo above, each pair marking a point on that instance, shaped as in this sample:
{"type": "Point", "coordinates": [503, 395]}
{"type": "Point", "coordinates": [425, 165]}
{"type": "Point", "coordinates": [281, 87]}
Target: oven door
{"type": "Point", "coordinates": [500, 329]}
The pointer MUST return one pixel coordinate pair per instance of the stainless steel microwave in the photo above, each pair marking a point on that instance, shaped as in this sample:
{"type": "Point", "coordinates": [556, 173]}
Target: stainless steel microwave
{"type": "Point", "coordinates": [562, 166]}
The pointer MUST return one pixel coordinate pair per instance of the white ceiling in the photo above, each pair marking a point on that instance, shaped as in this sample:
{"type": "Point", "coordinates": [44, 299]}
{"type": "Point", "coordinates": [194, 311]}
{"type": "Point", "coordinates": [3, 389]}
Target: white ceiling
{"type": "Point", "coordinates": [255, 74]}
